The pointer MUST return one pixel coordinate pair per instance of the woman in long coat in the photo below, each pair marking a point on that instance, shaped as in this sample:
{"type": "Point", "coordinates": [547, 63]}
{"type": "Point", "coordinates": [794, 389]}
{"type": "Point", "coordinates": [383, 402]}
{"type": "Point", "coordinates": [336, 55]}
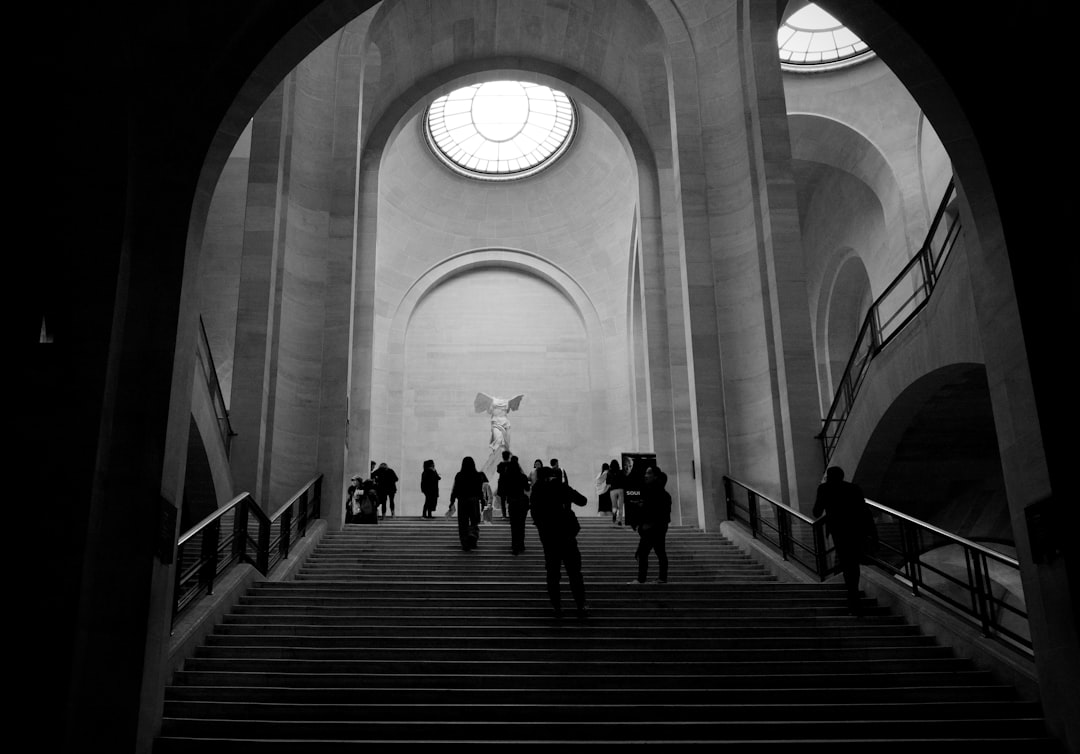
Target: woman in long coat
{"type": "Point", "coordinates": [467, 493]}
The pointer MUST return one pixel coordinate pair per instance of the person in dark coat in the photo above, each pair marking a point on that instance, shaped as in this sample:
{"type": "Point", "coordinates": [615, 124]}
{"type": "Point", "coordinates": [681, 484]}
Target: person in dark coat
{"type": "Point", "coordinates": [514, 485]}
{"type": "Point", "coordinates": [849, 522]}
{"type": "Point", "coordinates": [653, 524]}
{"type": "Point", "coordinates": [500, 492]}
{"type": "Point", "coordinates": [467, 493]}
{"type": "Point", "coordinates": [386, 480]}
{"type": "Point", "coordinates": [616, 481]}
{"type": "Point", "coordinates": [429, 485]}
{"type": "Point", "coordinates": [558, 527]}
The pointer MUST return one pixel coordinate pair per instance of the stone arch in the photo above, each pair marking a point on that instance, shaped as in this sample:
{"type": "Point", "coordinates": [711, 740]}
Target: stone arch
{"type": "Point", "coordinates": [839, 318]}
{"type": "Point", "coordinates": [389, 432]}
{"type": "Point", "coordinates": [367, 376]}
{"type": "Point", "coordinates": [934, 455]}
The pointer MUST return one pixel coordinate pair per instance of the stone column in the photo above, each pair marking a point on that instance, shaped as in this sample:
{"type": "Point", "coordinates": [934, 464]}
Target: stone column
{"type": "Point", "coordinates": [258, 308]}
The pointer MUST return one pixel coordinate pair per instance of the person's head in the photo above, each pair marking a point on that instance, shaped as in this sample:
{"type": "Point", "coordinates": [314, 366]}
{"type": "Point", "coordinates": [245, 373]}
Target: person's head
{"type": "Point", "coordinates": [372, 465]}
{"type": "Point", "coordinates": [538, 464]}
{"type": "Point", "coordinates": [382, 465]}
{"type": "Point", "coordinates": [653, 475]}
{"type": "Point", "coordinates": [506, 455]}
{"type": "Point", "coordinates": [604, 466]}
{"type": "Point", "coordinates": [554, 463]}
{"type": "Point", "coordinates": [356, 479]}
{"type": "Point", "coordinates": [834, 474]}
{"type": "Point", "coordinates": [614, 465]}
{"type": "Point", "coordinates": [369, 484]}
{"type": "Point", "coordinates": [468, 464]}
{"type": "Point", "coordinates": [514, 459]}
{"type": "Point", "coordinates": [429, 464]}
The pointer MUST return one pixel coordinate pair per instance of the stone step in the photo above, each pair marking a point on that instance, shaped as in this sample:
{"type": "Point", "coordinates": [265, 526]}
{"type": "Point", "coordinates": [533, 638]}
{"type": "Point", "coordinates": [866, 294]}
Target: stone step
{"type": "Point", "coordinates": [632, 729]}
{"type": "Point", "coordinates": [687, 642]}
{"type": "Point", "coordinates": [390, 637]}
{"type": "Point", "coordinates": [571, 666]}
{"type": "Point", "coordinates": [405, 696]}
{"type": "Point", "coordinates": [859, 677]}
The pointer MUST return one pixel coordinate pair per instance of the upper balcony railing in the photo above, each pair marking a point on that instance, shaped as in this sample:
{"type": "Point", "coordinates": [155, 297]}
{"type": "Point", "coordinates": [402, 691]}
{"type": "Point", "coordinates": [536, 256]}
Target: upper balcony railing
{"type": "Point", "coordinates": [901, 301]}
{"type": "Point", "coordinates": [240, 532]}
{"type": "Point", "coordinates": [206, 359]}
{"type": "Point", "coordinates": [978, 583]}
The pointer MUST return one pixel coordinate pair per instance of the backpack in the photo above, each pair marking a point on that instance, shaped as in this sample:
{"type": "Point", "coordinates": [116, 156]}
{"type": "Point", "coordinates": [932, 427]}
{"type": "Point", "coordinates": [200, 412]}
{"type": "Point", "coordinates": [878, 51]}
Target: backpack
{"type": "Point", "coordinates": [366, 506]}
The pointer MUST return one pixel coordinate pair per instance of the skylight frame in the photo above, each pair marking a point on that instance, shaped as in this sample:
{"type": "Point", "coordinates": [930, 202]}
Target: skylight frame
{"type": "Point", "coordinates": [820, 43]}
{"type": "Point", "coordinates": [453, 135]}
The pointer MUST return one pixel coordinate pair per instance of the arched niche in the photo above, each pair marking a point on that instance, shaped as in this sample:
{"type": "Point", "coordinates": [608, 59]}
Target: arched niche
{"type": "Point", "coordinates": [536, 305]}
{"type": "Point", "coordinates": [845, 309]}
{"type": "Point", "coordinates": [934, 455]}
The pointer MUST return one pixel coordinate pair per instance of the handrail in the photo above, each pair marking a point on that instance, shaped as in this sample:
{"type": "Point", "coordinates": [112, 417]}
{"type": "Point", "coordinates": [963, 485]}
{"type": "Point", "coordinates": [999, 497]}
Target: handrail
{"type": "Point", "coordinates": [221, 411]}
{"type": "Point", "coordinates": [875, 333]}
{"type": "Point", "coordinates": [211, 518]}
{"type": "Point", "coordinates": [903, 544]}
{"type": "Point", "coordinates": [213, 546]}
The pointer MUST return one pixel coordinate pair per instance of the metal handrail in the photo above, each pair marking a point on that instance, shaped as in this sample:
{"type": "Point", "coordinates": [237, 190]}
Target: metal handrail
{"type": "Point", "coordinates": [970, 593]}
{"type": "Point", "coordinates": [208, 550]}
{"type": "Point", "coordinates": [875, 334]}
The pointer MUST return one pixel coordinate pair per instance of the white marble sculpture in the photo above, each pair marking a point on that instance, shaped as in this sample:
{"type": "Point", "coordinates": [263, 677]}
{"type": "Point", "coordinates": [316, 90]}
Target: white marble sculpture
{"type": "Point", "coordinates": [498, 408]}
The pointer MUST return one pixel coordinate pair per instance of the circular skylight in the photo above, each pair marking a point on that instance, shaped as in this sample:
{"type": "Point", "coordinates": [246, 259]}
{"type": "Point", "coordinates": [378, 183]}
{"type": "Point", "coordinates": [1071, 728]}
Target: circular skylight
{"type": "Point", "coordinates": [501, 129]}
{"type": "Point", "coordinates": [813, 37]}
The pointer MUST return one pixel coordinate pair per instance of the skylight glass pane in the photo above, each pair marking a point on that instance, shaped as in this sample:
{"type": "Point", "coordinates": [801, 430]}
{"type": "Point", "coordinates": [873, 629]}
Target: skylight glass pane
{"type": "Point", "coordinates": [506, 127]}
{"type": "Point", "coordinates": [813, 36]}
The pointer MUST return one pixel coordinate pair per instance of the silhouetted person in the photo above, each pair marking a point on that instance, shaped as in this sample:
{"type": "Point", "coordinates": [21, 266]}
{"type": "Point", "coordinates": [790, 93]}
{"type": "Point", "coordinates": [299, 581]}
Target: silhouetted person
{"type": "Point", "coordinates": [559, 472]}
{"type": "Point", "coordinates": [603, 497]}
{"type": "Point", "coordinates": [364, 504]}
{"type": "Point", "coordinates": [499, 491]}
{"type": "Point", "coordinates": [429, 485]}
{"type": "Point", "coordinates": [515, 486]}
{"type": "Point", "coordinates": [616, 481]}
{"type": "Point", "coordinates": [653, 524]}
{"type": "Point", "coordinates": [558, 527]}
{"type": "Point", "coordinates": [386, 480]}
{"type": "Point", "coordinates": [467, 493]}
{"type": "Point", "coordinates": [355, 482]}
{"type": "Point", "coordinates": [850, 524]}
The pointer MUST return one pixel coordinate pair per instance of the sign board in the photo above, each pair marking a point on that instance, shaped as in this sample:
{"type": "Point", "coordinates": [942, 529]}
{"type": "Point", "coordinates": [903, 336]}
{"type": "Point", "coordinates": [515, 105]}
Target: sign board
{"type": "Point", "coordinates": [634, 465]}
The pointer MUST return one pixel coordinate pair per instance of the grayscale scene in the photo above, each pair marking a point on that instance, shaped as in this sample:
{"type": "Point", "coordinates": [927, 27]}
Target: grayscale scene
{"type": "Point", "coordinates": [511, 373]}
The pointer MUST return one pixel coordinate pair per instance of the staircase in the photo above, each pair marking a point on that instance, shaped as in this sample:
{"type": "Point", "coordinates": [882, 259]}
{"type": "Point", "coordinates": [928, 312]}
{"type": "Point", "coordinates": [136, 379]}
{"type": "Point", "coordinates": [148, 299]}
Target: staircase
{"type": "Point", "coordinates": [392, 636]}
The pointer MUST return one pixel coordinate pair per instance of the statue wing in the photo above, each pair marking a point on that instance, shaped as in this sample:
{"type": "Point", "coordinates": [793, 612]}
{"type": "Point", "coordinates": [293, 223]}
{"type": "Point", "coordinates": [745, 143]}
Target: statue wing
{"type": "Point", "coordinates": [482, 403]}
{"type": "Point", "coordinates": [516, 401]}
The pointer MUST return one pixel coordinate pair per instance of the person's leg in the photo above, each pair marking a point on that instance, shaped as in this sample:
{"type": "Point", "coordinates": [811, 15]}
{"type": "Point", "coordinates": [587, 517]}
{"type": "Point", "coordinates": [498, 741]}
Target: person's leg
{"type": "Point", "coordinates": [463, 523]}
{"type": "Point", "coordinates": [645, 545]}
{"type": "Point", "coordinates": [848, 558]}
{"type": "Point", "coordinates": [474, 521]}
{"type": "Point", "coordinates": [390, 498]}
{"type": "Point", "coordinates": [571, 556]}
{"type": "Point", "coordinates": [552, 562]}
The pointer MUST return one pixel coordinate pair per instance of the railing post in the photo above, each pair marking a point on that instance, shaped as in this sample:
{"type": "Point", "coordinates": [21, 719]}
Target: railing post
{"type": "Point", "coordinates": [178, 571]}
{"type": "Point", "coordinates": [286, 532]}
{"type": "Point", "coordinates": [752, 511]}
{"type": "Point", "coordinates": [729, 503]}
{"type": "Point", "coordinates": [262, 555]}
{"type": "Point", "coordinates": [977, 564]}
{"type": "Point", "coordinates": [240, 538]}
{"type": "Point", "coordinates": [819, 549]}
{"type": "Point", "coordinates": [783, 523]}
{"type": "Point", "coordinates": [316, 508]}
{"type": "Point", "coordinates": [209, 553]}
{"type": "Point", "coordinates": [909, 552]}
